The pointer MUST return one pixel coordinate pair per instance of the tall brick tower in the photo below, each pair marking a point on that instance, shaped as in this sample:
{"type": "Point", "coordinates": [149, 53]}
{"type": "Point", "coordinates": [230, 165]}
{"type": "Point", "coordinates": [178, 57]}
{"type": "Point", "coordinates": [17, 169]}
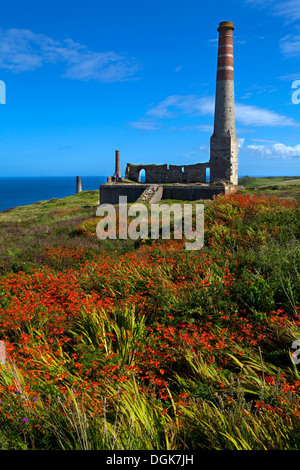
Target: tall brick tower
{"type": "Point", "coordinates": [224, 142]}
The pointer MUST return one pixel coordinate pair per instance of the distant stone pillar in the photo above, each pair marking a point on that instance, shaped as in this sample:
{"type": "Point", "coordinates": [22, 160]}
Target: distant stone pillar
{"type": "Point", "coordinates": [78, 184]}
{"type": "Point", "coordinates": [118, 164]}
{"type": "Point", "coordinates": [224, 142]}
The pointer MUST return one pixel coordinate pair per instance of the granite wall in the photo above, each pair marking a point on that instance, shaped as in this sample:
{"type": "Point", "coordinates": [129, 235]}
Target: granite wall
{"type": "Point", "coordinates": [168, 174]}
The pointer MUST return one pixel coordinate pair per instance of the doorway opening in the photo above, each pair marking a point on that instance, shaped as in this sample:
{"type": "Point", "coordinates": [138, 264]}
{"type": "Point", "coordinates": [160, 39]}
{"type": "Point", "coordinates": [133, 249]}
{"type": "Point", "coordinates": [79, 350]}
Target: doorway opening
{"type": "Point", "coordinates": [207, 175]}
{"type": "Point", "coordinates": [142, 176]}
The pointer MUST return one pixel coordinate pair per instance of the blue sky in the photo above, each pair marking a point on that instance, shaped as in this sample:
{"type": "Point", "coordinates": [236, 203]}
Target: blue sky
{"type": "Point", "coordinates": [84, 79]}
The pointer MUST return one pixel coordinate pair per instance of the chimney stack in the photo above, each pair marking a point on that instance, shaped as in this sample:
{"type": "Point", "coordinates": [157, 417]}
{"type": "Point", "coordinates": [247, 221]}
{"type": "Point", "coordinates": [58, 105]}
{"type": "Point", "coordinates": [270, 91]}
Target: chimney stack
{"type": "Point", "coordinates": [78, 184]}
{"type": "Point", "coordinates": [118, 164]}
{"type": "Point", "coordinates": [224, 142]}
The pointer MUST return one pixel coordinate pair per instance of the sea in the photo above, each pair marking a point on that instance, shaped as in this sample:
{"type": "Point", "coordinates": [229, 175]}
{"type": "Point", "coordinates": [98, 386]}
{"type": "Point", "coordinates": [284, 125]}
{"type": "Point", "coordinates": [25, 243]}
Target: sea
{"type": "Point", "coordinates": [21, 191]}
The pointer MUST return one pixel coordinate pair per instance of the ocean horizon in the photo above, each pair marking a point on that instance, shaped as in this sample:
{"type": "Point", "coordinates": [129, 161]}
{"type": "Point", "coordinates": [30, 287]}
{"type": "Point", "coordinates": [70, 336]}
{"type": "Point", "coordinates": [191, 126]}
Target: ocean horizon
{"type": "Point", "coordinates": [22, 191]}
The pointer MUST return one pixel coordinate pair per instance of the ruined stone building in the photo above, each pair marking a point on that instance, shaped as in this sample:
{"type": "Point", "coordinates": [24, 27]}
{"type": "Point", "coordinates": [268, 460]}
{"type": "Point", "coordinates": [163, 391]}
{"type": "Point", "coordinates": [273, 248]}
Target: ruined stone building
{"type": "Point", "coordinates": [168, 173]}
{"type": "Point", "coordinates": [223, 162]}
{"type": "Point", "coordinates": [222, 168]}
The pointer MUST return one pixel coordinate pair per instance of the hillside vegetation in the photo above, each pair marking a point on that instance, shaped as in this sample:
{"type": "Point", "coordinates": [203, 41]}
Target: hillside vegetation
{"type": "Point", "coordinates": [144, 345]}
{"type": "Point", "coordinates": [282, 186]}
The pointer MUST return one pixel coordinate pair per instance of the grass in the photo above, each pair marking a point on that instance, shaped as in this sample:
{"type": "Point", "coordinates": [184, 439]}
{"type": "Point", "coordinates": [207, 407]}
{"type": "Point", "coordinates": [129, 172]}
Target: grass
{"type": "Point", "coordinates": [143, 345]}
{"type": "Point", "coordinates": [281, 186]}
{"type": "Point", "coordinates": [267, 182]}
{"type": "Point", "coordinates": [27, 230]}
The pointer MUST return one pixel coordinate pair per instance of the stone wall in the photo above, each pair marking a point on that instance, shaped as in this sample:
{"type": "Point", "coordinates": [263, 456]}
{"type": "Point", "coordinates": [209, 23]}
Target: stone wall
{"type": "Point", "coordinates": [193, 193]}
{"type": "Point", "coordinates": [224, 158]}
{"type": "Point", "coordinates": [168, 174]}
{"type": "Point", "coordinates": [109, 193]}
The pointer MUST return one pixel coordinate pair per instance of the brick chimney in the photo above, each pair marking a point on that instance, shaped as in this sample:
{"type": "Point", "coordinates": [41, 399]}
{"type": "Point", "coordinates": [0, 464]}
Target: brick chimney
{"type": "Point", "coordinates": [224, 142]}
{"type": "Point", "coordinates": [118, 164]}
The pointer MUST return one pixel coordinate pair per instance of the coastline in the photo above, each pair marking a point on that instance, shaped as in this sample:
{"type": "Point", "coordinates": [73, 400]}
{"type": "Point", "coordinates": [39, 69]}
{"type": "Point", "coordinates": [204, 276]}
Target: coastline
{"type": "Point", "coordinates": [22, 191]}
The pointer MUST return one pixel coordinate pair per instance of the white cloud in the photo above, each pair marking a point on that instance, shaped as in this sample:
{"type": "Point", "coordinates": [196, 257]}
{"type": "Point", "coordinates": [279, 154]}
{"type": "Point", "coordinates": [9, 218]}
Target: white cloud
{"type": "Point", "coordinates": [265, 140]}
{"type": "Point", "coordinates": [290, 77]}
{"type": "Point", "coordinates": [259, 90]}
{"type": "Point", "coordinates": [105, 67]}
{"type": "Point", "coordinates": [175, 105]}
{"type": "Point", "coordinates": [213, 42]}
{"type": "Point", "coordinates": [258, 2]}
{"type": "Point", "coordinates": [23, 50]}
{"type": "Point", "coordinates": [241, 142]}
{"type": "Point", "coordinates": [277, 151]}
{"type": "Point", "coordinates": [289, 9]}
{"type": "Point", "coordinates": [248, 115]}
{"type": "Point", "coordinates": [197, 127]}
{"type": "Point", "coordinates": [290, 45]}
{"type": "Point", "coordinates": [144, 125]}
{"type": "Point", "coordinates": [162, 110]}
